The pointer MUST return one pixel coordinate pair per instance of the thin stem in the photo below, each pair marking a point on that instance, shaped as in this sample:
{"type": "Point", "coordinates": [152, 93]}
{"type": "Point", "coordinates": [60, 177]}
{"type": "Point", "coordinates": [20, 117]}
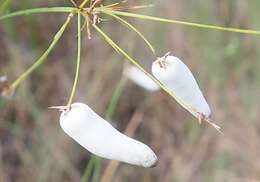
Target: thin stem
{"type": "Point", "coordinates": [39, 10]}
{"type": "Point", "coordinates": [73, 2]}
{"type": "Point", "coordinates": [131, 27]}
{"type": "Point", "coordinates": [88, 169]}
{"type": "Point", "coordinates": [97, 169]}
{"type": "Point", "coordinates": [187, 105]}
{"type": "Point", "coordinates": [45, 54]}
{"type": "Point", "coordinates": [115, 98]}
{"type": "Point", "coordinates": [198, 25]}
{"type": "Point", "coordinates": [118, 49]}
{"type": "Point", "coordinates": [78, 62]}
{"type": "Point", "coordinates": [83, 4]}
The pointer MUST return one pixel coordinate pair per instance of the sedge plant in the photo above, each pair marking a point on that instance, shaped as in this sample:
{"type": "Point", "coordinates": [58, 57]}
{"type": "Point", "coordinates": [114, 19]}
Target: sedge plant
{"type": "Point", "coordinates": [91, 11]}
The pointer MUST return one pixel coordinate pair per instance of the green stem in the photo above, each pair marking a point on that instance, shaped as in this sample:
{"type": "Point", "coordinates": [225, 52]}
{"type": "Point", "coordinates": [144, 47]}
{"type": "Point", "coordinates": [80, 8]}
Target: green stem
{"type": "Point", "coordinates": [115, 98]}
{"type": "Point", "coordinates": [162, 86]}
{"type": "Point", "coordinates": [39, 10]}
{"type": "Point", "coordinates": [198, 25]}
{"type": "Point", "coordinates": [83, 4]}
{"type": "Point", "coordinates": [78, 62]}
{"type": "Point", "coordinates": [88, 169]}
{"type": "Point", "coordinates": [131, 27]}
{"type": "Point", "coordinates": [97, 169]}
{"type": "Point", "coordinates": [45, 54]}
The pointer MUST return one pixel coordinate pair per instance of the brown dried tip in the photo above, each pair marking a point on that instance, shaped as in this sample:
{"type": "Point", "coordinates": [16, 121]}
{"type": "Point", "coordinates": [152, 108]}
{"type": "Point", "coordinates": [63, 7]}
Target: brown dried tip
{"type": "Point", "coordinates": [218, 128]}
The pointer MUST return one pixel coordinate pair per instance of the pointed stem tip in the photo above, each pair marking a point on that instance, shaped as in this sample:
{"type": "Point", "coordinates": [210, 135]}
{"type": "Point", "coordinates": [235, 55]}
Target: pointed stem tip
{"type": "Point", "coordinates": [218, 128]}
{"type": "Point", "coordinates": [60, 108]}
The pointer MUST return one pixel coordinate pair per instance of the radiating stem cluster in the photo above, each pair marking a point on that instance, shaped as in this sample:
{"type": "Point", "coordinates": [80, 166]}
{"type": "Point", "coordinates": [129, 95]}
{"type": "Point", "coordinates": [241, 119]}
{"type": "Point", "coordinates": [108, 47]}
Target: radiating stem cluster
{"type": "Point", "coordinates": [111, 10]}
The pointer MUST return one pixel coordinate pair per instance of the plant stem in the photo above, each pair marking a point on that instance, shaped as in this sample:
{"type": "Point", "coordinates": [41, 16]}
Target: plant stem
{"type": "Point", "coordinates": [83, 4]}
{"type": "Point", "coordinates": [115, 98]}
{"type": "Point", "coordinates": [39, 10]}
{"type": "Point", "coordinates": [185, 104]}
{"type": "Point", "coordinates": [78, 62]}
{"type": "Point", "coordinates": [97, 169]}
{"type": "Point", "coordinates": [88, 169]}
{"type": "Point", "coordinates": [131, 27]}
{"type": "Point", "coordinates": [45, 54]}
{"type": "Point", "coordinates": [198, 25]}
{"type": "Point", "coordinates": [129, 58]}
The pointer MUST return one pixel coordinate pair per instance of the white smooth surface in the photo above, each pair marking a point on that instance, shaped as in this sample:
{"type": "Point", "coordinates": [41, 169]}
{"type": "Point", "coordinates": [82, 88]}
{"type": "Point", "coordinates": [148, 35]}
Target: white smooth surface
{"type": "Point", "coordinates": [99, 137]}
{"type": "Point", "coordinates": [140, 78]}
{"type": "Point", "coordinates": [175, 75]}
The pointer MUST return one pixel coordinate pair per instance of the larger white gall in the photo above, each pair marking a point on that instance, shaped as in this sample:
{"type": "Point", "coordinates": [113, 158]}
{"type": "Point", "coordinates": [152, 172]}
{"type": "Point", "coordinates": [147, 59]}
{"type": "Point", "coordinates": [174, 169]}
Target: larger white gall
{"type": "Point", "coordinates": [178, 78]}
{"type": "Point", "coordinates": [99, 137]}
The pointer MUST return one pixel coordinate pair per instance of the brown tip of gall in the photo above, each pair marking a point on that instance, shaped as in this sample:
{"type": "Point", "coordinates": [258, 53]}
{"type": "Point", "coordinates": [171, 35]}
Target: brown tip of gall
{"type": "Point", "coordinates": [155, 164]}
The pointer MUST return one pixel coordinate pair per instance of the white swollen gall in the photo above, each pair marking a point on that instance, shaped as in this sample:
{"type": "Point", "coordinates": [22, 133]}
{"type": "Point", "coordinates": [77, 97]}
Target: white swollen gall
{"type": "Point", "coordinates": [178, 78]}
{"type": "Point", "coordinates": [140, 78]}
{"type": "Point", "coordinates": [99, 137]}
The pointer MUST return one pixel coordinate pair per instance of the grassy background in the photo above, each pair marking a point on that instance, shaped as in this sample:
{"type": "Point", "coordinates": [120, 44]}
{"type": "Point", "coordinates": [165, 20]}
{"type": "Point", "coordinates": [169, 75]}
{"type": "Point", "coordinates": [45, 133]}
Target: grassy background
{"type": "Point", "coordinates": [34, 148]}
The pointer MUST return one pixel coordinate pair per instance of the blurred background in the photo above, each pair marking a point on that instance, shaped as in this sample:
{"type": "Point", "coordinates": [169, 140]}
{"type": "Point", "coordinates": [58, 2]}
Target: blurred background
{"type": "Point", "coordinates": [34, 148]}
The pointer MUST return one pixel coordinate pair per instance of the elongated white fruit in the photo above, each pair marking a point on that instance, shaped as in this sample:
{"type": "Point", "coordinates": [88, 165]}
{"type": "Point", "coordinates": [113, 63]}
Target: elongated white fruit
{"type": "Point", "coordinates": [178, 78]}
{"type": "Point", "coordinates": [99, 137]}
{"type": "Point", "coordinates": [140, 78]}
{"type": "Point", "coordinates": [174, 74]}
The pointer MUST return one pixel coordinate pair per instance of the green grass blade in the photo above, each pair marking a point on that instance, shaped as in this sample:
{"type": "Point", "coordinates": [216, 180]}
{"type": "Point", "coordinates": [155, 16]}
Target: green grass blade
{"type": "Point", "coordinates": [163, 87]}
{"type": "Point", "coordinates": [198, 25]}
{"type": "Point", "coordinates": [38, 10]}
{"type": "Point", "coordinates": [78, 62]}
{"type": "Point", "coordinates": [115, 98]}
{"type": "Point", "coordinates": [112, 5]}
{"type": "Point", "coordinates": [45, 54]}
{"type": "Point", "coordinates": [97, 169]}
{"type": "Point", "coordinates": [124, 22]}
{"type": "Point", "coordinates": [89, 169]}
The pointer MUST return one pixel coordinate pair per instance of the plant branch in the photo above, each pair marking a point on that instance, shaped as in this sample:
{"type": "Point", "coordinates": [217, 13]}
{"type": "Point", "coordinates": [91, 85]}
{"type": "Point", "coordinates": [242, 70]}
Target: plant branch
{"type": "Point", "coordinates": [78, 62]}
{"type": "Point", "coordinates": [191, 109]}
{"type": "Point", "coordinates": [124, 22]}
{"type": "Point", "coordinates": [38, 10]}
{"type": "Point", "coordinates": [45, 54]}
{"type": "Point", "coordinates": [198, 25]}
{"type": "Point", "coordinates": [83, 4]}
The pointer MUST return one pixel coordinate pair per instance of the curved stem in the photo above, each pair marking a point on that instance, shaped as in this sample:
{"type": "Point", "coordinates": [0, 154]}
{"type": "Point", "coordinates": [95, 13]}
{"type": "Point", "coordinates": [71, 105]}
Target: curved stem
{"type": "Point", "coordinates": [83, 4]}
{"type": "Point", "coordinates": [45, 54]}
{"type": "Point", "coordinates": [78, 62]}
{"type": "Point", "coordinates": [187, 105]}
{"type": "Point", "coordinates": [38, 10]}
{"type": "Point", "coordinates": [198, 25]}
{"type": "Point", "coordinates": [131, 27]}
